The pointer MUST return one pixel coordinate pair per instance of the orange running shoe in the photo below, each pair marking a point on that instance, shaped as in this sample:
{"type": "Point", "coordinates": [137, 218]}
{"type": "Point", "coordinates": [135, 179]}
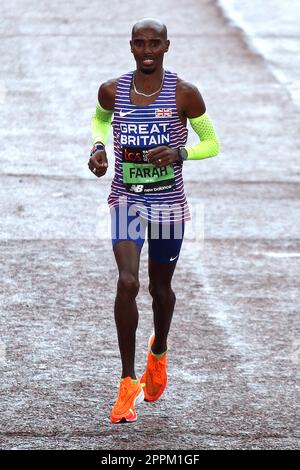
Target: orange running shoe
{"type": "Point", "coordinates": [130, 394]}
{"type": "Point", "coordinates": [154, 379]}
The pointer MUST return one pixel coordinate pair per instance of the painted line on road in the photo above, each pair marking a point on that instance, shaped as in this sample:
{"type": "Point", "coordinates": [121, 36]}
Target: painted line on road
{"type": "Point", "coordinates": [273, 254]}
{"type": "Point", "coordinates": [225, 315]}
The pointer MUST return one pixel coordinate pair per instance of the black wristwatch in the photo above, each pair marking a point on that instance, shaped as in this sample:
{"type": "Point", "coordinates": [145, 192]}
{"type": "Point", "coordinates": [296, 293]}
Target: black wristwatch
{"type": "Point", "coordinates": [97, 146]}
{"type": "Point", "coordinates": [182, 152]}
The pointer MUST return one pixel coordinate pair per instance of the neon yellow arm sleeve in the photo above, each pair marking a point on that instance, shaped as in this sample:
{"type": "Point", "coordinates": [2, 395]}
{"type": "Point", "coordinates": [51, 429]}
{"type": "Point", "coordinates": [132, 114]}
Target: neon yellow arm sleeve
{"type": "Point", "coordinates": [209, 145]}
{"type": "Point", "coordinates": [101, 122]}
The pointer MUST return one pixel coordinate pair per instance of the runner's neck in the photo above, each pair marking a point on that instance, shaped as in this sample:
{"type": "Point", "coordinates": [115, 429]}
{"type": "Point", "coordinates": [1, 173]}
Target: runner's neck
{"type": "Point", "coordinates": [148, 83]}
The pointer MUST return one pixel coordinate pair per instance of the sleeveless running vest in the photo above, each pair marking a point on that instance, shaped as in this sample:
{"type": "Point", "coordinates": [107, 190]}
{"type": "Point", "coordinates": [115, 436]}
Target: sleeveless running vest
{"type": "Point", "coordinates": [158, 193]}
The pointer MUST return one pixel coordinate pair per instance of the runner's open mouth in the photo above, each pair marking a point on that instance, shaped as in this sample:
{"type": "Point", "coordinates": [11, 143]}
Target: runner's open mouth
{"type": "Point", "coordinates": [148, 61]}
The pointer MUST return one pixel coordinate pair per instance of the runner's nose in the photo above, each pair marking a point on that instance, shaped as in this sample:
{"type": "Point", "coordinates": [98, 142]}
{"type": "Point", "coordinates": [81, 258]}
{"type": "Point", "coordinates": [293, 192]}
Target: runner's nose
{"type": "Point", "coordinates": [147, 49]}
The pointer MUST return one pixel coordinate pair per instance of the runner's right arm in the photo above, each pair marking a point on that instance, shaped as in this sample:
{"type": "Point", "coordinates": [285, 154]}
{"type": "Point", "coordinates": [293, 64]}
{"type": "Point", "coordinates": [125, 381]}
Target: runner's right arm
{"type": "Point", "coordinates": [101, 123]}
{"type": "Point", "coordinates": [101, 120]}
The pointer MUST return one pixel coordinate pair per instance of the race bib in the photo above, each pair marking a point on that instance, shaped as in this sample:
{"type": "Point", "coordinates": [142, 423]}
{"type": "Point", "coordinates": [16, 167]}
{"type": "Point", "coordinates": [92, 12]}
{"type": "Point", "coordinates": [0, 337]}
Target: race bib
{"type": "Point", "coordinates": [140, 176]}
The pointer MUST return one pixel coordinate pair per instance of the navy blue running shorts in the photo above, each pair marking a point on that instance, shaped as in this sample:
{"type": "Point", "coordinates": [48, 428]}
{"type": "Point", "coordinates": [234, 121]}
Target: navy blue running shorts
{"type": "Point", "coordinates": [164, 240]}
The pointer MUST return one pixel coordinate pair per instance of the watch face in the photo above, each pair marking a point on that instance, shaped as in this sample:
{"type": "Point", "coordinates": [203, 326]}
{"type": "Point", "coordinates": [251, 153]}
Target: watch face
{"type": "Point", "coordinates": [183, 153]}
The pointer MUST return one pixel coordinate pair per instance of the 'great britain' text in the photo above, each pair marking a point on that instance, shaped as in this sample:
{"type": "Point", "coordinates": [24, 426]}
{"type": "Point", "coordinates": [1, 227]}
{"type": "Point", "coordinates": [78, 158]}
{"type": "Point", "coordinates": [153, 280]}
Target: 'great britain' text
{"type": "Point", "coordinates": [144, 134]}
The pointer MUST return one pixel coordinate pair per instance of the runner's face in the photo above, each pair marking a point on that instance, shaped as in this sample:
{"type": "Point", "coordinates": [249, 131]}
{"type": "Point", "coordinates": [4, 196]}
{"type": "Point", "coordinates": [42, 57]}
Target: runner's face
{"type": "Point", "coordinates": [148, 48]}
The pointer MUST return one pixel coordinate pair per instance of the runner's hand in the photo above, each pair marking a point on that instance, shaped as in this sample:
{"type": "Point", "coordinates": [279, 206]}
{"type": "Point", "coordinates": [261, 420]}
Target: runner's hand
{"type": "Point", "coordinates": [98, 163]}
{"type": "Point", "coordinates": [162, 156]}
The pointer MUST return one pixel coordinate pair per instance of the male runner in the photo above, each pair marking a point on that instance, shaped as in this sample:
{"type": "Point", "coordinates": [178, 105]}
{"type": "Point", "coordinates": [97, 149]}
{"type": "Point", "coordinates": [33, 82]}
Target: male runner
{"type": "Point", "coordinates": [150, 107]}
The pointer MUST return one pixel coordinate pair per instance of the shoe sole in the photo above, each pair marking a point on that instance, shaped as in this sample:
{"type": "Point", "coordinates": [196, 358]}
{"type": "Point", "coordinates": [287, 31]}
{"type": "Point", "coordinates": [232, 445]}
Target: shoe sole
{"type": "Point", "coordinates": [137, 401]}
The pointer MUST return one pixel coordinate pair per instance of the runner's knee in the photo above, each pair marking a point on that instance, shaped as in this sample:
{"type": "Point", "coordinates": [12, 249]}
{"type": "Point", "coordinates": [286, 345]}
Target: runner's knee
{"type": "Point", "coordinates": [161, 292]}
{"type": "Point", "coordinates": [128, 286]}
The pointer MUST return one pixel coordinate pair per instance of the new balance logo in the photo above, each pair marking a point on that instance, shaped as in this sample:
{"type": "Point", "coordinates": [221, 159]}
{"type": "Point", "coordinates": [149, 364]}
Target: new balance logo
{"type": "Point", "coordinates": [122, 114]}
{"type": "Point", "coordinates": [137, 188]}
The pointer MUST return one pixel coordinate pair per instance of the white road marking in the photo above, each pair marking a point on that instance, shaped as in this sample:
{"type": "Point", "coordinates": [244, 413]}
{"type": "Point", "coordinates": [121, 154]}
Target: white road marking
{"type": "Point", "coordinates": [273, 254]}
{"type": "Point", "coordinates": [222, 314]}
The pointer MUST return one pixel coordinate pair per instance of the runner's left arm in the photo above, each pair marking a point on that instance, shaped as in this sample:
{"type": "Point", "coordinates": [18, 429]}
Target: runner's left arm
{"type": "Point", "coordinates": [194, 109]}
{"type": "Point", "coordinates": [209, 145]}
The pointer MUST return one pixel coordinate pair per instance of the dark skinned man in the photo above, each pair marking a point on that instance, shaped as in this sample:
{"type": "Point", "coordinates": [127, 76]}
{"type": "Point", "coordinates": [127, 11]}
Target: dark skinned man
{"type": "Point", "coordinates": [150, 107]}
